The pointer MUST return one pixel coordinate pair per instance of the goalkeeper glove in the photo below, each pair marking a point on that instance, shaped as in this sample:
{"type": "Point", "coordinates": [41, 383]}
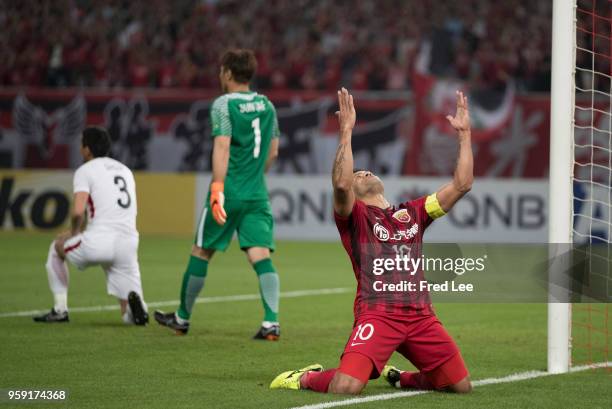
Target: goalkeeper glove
{"type": "Point", "coordinates": [217, 199]}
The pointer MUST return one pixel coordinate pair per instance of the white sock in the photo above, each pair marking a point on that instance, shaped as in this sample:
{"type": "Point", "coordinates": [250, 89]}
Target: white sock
{"type": "Point", "coordinates": [268, 324]}
{"type": "Point", "coordinates": [57, 273]}
{"type": "Point", "coordinates": [127, 317]}
{"type": "Point", "coordinates": [180, 320]}
{"type": "Point", "coordinates": [60, 302]}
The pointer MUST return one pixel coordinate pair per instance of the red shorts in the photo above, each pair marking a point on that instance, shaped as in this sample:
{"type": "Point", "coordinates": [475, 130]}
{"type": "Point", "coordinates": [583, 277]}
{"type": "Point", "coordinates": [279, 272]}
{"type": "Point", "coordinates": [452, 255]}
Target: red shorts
{"type": "Point", "coordinates": [421, 339]}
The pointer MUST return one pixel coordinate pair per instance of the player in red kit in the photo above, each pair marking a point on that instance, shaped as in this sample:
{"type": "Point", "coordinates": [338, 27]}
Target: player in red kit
{"type": "Point", "coordinates": [388, 315]}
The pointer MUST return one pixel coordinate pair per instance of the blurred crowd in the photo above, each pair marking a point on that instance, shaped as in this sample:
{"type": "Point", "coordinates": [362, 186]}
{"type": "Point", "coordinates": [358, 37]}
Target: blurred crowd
{"type": "Point", "coordinates": [300, 44]}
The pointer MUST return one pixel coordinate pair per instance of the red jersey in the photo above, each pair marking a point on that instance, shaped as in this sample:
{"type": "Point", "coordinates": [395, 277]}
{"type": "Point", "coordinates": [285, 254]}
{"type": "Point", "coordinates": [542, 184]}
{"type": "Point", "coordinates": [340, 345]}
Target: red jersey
{"type": "Point", "coordinates": [376, 240]}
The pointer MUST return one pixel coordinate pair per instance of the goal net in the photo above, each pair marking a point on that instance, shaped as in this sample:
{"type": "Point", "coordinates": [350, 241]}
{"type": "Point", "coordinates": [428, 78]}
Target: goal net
{"type": "Point", "coordinates": [580, 170]}
{"type": "Point", "coordinates": [592, 175]}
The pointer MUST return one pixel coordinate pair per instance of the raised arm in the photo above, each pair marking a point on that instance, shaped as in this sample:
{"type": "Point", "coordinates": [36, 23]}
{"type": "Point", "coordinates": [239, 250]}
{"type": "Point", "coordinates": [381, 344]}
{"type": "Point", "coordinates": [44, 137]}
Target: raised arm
{"type": "Point", "coordinates": [342, 172]}
{"type": "Point", "coordinates": [463, 177]}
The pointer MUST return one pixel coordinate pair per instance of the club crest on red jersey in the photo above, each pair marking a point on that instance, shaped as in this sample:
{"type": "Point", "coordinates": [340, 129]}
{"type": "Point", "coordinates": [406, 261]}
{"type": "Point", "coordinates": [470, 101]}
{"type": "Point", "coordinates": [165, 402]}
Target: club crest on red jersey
{"type": "Point", "coordinates": [381, 232]}
{"type": "Point", "coordinates": [402, 216]}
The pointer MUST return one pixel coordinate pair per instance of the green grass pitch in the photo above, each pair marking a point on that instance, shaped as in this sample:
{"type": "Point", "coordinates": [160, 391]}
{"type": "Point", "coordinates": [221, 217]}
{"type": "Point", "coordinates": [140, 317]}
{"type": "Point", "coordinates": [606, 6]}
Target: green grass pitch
{"type": "Point", "coordinates": [104, 363]}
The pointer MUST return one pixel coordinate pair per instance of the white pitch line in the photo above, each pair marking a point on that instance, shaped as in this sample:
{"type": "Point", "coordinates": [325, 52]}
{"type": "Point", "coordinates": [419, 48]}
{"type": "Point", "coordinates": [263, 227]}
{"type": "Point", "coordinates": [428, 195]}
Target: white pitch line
{"type": "Point", "coordinates": [203, 300]}
{"type": "Point", "coordinates": [522, 376]}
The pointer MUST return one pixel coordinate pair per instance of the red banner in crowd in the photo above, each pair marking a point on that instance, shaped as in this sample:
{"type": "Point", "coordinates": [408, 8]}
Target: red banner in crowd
{"type": "Point", "coordinates": [169, 130]}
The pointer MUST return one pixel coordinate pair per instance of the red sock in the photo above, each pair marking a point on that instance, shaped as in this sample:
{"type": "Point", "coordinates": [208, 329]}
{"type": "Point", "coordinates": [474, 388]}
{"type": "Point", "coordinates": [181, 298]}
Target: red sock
{"type": "Point", "coordinates": [317, 381]}
{"type": "Point", "coordinates": [415, 380]}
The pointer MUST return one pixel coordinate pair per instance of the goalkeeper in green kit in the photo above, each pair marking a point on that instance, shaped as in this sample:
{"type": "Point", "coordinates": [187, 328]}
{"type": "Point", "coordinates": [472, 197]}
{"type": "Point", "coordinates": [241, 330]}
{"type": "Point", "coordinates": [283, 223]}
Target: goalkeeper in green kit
{"type": "Point", "coordinates": [245, 132]}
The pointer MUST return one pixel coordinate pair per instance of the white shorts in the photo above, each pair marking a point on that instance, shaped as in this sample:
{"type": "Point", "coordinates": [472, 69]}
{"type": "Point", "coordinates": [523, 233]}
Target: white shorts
{"type": "Point", "coordinates": [116, 253]}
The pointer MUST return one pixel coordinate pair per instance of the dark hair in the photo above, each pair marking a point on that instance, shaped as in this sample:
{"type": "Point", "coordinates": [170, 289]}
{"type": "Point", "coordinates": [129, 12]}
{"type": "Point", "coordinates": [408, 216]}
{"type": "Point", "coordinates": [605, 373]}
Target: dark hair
{"type": "Point", "coordinates": [359, 170]}
{"type": "Point", "coordinates": [97, 140]}
{"type": "Point", "coordinates": [241, 63]}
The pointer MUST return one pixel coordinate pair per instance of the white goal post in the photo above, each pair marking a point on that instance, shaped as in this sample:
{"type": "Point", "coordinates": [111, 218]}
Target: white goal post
{"type": "Point", "coordinates": [560, 175]}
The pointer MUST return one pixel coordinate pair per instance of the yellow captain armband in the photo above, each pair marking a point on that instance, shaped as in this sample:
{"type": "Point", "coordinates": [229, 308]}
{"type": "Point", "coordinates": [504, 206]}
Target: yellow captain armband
{"type": "Point", "coordinates": [432, 206]}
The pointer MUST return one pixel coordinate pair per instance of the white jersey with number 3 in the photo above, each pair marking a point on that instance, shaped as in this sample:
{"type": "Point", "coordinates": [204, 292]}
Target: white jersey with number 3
{"type": "Point", "coordinates": [112, 195]}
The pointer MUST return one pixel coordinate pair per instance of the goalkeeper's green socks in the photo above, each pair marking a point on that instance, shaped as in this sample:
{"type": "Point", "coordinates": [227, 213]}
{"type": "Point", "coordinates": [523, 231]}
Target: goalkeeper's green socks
{"type": "Point", "coordinates": [269, 289]}
{"type": "Point", "coordinates": [195, 275]}
{"type": "Point", "coordinates": [193, 282]}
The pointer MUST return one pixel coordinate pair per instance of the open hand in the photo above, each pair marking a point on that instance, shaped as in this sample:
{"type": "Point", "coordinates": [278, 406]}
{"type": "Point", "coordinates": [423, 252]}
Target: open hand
{"type": "Point", "coordinates": [346, 114]}
{"type": "Point", "coordinates": [461, 120]}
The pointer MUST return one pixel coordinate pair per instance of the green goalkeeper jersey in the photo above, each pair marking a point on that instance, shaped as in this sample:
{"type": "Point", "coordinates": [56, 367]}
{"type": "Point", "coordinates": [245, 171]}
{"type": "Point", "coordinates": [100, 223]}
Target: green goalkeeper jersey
{"type": "Point", "coordinates": [250, 120]}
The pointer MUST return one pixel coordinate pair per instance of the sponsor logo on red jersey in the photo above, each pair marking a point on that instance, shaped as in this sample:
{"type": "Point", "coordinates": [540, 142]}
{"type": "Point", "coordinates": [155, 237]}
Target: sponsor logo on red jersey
{"type": "Point", "coordinates": [381, 232]}
{"type": "Point", "coordinates": [407, 234]}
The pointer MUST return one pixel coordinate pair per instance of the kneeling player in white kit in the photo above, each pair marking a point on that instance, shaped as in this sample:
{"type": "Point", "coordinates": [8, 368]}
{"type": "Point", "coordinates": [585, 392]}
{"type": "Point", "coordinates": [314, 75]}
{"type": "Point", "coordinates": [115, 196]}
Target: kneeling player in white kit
{"type": "Point", "coordinates": [110, 240]}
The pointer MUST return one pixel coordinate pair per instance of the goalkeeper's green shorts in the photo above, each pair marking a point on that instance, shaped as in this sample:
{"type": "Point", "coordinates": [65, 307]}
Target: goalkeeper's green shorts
{"type": "Point", "coordinates": [252, 219]}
